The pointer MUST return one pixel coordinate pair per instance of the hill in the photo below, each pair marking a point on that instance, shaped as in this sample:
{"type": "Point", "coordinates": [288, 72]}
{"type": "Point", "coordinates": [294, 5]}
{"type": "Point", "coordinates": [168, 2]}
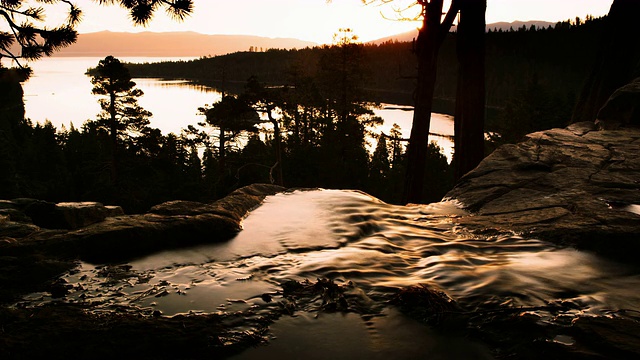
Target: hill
{"type": "Point", "coordinates": [504, 26]}
{"type": "Point", "coordinates": [172, 44]}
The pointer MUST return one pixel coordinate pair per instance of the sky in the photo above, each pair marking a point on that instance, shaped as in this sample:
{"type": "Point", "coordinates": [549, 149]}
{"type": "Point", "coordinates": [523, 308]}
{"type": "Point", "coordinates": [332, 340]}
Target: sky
{"type": "Point", "coordinates": [317, 20]}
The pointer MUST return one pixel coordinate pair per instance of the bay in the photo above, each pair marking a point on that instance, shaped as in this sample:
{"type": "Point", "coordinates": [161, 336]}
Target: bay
{"type": "Point", "coordinates": [60, 92]}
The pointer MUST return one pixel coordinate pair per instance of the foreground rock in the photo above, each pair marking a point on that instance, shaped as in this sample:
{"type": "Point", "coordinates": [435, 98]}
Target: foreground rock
{"type": "Point", "coordinates": [577, 186]}
{"type": "Point", "coordinates": [119, 238]}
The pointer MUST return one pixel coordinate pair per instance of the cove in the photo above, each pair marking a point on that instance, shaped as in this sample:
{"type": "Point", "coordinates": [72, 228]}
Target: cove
{"type": "Point", "coordinates": [173, 102]}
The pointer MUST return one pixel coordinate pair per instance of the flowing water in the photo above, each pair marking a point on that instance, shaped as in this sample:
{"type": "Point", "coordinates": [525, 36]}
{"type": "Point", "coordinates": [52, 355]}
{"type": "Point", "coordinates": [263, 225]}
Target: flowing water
{"type": "Point", "coordinates": [373, 248]}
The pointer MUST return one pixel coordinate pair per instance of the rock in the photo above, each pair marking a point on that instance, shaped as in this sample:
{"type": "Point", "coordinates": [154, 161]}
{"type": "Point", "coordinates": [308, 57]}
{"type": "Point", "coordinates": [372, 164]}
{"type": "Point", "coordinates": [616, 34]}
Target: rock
{"type": "Point", "coordinates": [15, 215]}
{"type": "Point", "coordinates": [235, 205]}
{"type": "Point", "coordinates": [13, 229]}
{"type": "Point", "coordinates": [43, 214]}
{"type": "Point", "coordinates": [168, 225]}
{"type": "Point", "coordinates": [67, 215]}
{"type": "Point", "coordinates": [572, 186]}
{"type": "Point", "coordinates": [112, 210]}
{"type": "Point", "coordinates": [619, 338]}
{"type": "Point", "coordinates": [75, 215]}
{"type": "Point", "coordinates": [622, 108]}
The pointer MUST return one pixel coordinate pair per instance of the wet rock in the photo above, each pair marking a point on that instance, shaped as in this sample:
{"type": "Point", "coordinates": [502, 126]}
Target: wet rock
{"type": "Point", "coordinates": [70, 332]}
{"type": "Point", "coordinates": [560, 185]}
{"type": "Point", "coordinates": [120, 238]}
{"type": "Point", "coordinates": [617, 337]}
{"type": "Point", "coordinates": [426, 304]}
{"type": "Point", "coordinates": [235, 205]}
{"type": "Point", "coordinates": [75, 215]}
{"type": "Point", "coordinates": [13, 229]}
{"type": "Point", "coordinates": [13, 214]}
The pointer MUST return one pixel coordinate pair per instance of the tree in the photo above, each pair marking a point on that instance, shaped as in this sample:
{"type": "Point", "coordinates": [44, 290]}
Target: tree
{"type": "Point", "coordinates": [12, 128]}
{"type": "Point", "coordinates": [232, 116]}
{"type": "Point", "coordinates": [121, 116]}
{"type": "Point", "coordinates": [265, 100]}
{"type": "Point", "coordinates": [470, 98]}
{"type": "Point", "coordinates": [26, 37]}
{"type": "Point", "coordinates": [617, 60]}
{"type": "Point", "coordinates": [430, 37]}
{"type": "Point", "coordinates": [379, 168]}
{"type": "Point", "coordinates": [341, 77]}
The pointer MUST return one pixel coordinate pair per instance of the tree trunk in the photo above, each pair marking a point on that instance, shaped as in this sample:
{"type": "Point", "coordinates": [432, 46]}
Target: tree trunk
{"type": "Point", "coordinates": [616, 62]}
{"type": "Point", "coordinates": [427, 46]}
{"type": "Point", "coordinates": [113, 129]}
{"type": "Point", "coordinates": [277, 149]}
{"type": "Point", "coordinates": [221, 157]}
{"type": "Point", "coordinates": [470, 98]}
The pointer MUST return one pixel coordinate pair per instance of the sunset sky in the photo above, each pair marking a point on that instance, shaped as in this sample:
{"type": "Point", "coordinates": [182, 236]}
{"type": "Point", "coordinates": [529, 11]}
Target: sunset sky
{"type": "Point", "coordinates": [317, 20]}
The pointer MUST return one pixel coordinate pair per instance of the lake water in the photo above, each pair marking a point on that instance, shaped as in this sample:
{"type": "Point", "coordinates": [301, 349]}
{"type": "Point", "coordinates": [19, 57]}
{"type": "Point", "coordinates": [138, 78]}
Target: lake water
{"type": "Point", "coordinates": [60, 92]}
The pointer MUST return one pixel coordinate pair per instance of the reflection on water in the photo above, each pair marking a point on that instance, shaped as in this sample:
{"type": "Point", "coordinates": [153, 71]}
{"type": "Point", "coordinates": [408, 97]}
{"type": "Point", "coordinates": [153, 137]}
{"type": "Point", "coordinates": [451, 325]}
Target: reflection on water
{"type": "Point", "coordinates": [350, 236]}
{"type": "Point", "coordinates": [59, 91]}
{"type": "Point", "coordinates": [441, 127]}
{"type": "Point", "coordinates": [385, 337]}
{"type": "Point", "coordinates": [374, 248]}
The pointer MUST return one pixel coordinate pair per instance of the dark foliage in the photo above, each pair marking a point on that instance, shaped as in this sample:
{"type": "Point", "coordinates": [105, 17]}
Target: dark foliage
{"type": "Point", "coordinates": [24, 36]}
{"type": "Point", "coordinates": [322, 136]}
{"type": "Point", "coordinates": [557, 60]}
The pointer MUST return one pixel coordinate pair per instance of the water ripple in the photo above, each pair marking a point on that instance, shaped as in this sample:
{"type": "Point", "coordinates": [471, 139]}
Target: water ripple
{"type": "Point", "coordinates": [351, 236]}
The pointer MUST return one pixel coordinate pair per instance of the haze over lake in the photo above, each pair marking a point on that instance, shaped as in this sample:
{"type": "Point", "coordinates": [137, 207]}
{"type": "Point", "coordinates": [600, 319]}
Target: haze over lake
{"type": "Point", "coordinates": [60, 92]}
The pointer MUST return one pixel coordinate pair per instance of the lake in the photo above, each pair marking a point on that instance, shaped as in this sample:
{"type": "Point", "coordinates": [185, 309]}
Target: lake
{"type": "Point", "coordinates": [60, 92]}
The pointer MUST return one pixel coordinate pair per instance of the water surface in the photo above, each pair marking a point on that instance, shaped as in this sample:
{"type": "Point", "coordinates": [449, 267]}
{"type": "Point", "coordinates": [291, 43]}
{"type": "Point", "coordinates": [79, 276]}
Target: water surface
{"type": "Point", "coordinates": [373, 249]}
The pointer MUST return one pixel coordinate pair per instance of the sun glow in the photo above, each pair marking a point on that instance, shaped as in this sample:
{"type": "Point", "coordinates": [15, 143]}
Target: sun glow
{"type": "Point", "coordinates": [316, 20]}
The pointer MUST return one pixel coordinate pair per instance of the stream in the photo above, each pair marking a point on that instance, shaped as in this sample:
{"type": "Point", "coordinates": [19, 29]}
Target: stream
{"type": "Point", "coordinates": [371, 248]}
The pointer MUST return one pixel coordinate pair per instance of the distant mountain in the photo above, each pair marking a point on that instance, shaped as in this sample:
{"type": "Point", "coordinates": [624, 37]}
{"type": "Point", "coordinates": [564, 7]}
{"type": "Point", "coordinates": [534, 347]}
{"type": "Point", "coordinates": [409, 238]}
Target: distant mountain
{"type": "Point", "coordinates": [504, 26]}
{"type": "Point", "coordinates": [172, 44]}
{"type": "Point", "coordinates": [518, 24]}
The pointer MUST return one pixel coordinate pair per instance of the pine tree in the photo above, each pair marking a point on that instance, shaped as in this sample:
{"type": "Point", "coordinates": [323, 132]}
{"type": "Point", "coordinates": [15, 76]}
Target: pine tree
{"type": "Point", "coordinates": [121, 116]}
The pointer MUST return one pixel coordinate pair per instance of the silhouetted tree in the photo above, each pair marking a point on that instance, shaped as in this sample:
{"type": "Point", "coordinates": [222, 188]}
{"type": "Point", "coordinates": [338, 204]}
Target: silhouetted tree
{"type": "Point", "coordinates": [232, 116]}
{"type": "Point", "coordinates": [23, 38]}
{"type": "Point", "coordinates": [121, 115]}
{"type": "Point", "coordinates": [340, 78]}
{"type": "Point", "coordinates": [427, 46]}
{"type": "Point", "coordinates": [379, 168]}
{"type": "Point", "coordinates": [266, 100]}
{"type": "Point", "coordinates": [430, 38]}
{"type": "Point", "coordinates": [617, 61]}
{"type": "Point", "coordinates": [397, 149]}
{"type": "Point", "coordinates": [12, 128]}
{"type": "Point", "coordinates": [470, 99]}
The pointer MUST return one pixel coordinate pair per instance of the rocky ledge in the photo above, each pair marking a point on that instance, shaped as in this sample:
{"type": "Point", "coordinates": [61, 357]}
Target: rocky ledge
{"type": "Point", "coordinates": [578, 186]}
{"type": "Point", "coordinates": [93, 232]}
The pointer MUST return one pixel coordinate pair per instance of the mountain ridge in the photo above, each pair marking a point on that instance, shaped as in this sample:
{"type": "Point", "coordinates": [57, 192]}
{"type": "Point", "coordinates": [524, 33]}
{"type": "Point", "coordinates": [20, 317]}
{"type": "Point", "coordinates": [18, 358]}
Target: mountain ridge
{"type": "Point", "coordinates": [194, 44]}
{"type": "Point", "coordinates": [502, 25]}
{"type": "Point", "coordinates": [179, 43]}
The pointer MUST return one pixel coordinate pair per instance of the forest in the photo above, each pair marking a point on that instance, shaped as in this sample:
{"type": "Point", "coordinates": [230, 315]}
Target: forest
{"type": "Point", "coordinates": [533, 75]}
{"type": "Point", "coordinates": [317, 104]}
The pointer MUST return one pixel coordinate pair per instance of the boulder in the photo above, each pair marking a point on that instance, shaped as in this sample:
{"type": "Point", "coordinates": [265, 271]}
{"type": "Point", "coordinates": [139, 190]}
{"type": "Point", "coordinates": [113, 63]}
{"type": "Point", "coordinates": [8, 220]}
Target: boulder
{"type": "Point", "coordinates": [75, 215]}
{"type": "Point", "coordinates": [574, 186]}
{"type": "Point", "coordinates": [622, 108]}
{"type": "Point", "coordinates": [9, 230]}
{"type": "Point", "coordinates": [120, 238]}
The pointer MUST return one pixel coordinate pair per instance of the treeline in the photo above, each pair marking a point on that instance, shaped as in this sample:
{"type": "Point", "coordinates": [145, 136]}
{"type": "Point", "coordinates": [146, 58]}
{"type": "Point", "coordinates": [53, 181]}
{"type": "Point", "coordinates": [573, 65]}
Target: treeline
{"type": "Point", "coordinates": [297, 117]}
{"type": "Point", "coordinates": [533, 74]}
{"type": "Point", "coordinates": [316, 135]}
